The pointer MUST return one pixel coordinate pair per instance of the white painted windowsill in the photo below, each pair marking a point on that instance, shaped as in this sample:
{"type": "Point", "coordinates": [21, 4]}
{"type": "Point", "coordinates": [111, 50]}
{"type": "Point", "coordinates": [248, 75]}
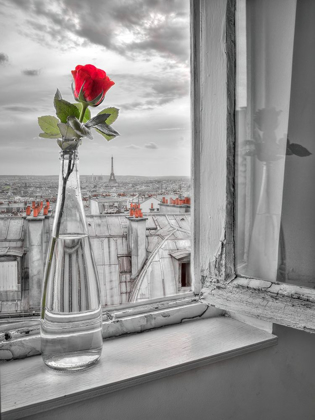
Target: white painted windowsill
{"type": "Point", "coordinates": [28, 387]}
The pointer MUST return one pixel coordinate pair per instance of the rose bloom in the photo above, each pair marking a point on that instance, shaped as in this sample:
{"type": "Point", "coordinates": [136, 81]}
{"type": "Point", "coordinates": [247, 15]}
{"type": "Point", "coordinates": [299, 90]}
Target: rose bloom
{"type": "Point", "coordinates": [95, 80]}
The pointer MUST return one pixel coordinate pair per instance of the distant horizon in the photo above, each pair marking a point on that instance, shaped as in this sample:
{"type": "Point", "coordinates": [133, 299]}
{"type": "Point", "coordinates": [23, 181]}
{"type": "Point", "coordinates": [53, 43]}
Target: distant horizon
{"type": "Point", "coordinates": [116, 176]}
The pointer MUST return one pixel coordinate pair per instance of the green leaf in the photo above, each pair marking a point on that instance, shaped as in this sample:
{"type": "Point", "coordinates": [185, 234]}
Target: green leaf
{"type": "Point", "coordinates": [97, 100]}
{"type": "Point", "coordinates": [107, 137]}
{"type": "Point", "coordinates": [87, 114]}
{"type": "Point", "coordinates": [81, 97]}
{"type": "Point", "coordinates": [69, 145]}
{"type": "Point", "coordinates": [99, 119]}
{"type": "Point", "coordinates": [114, 112]}
{"type": "Point", "coordinates": [79, 128]}
{"type": "Point", "coordinates": [65, 109]}
{"type": "Point", "coordinates": [106, 130]}
{"type": "Point", "coordinates": [49, 136]}
{"type": "Point", "coordinates": [67, 132]}
{"type": "Point", "coordinates": [58, 94]}
{"type": "Point", "coordinates": [49, 125]}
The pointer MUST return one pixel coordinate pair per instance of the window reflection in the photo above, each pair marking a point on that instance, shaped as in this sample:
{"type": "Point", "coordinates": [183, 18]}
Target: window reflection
{"type": "Point", "coordinates": [275, 130]}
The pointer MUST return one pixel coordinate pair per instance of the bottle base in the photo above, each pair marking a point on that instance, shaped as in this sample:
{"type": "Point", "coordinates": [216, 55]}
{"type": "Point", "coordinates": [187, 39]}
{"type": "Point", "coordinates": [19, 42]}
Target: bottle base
{"type": "Point", "coordinates": [73, 361]}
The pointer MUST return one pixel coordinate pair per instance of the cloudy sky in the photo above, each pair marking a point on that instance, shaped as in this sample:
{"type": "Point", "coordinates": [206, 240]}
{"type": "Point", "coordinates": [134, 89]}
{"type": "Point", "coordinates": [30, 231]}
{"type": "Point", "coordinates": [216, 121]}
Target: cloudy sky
{"type": "Point", "coordinates": [143, 45]}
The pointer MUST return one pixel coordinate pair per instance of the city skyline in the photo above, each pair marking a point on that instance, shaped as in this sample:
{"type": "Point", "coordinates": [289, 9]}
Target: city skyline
{"type": "Point", "coordinates": [144, 48]}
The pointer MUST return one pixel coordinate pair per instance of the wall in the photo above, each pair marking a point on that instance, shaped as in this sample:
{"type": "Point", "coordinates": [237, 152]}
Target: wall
{"type": "Point", "coordinates": [173, 209]}
{"type": "Point", "coordinates": [146, 205]}
{"type": "Point", "coordinates": [94, 207]}
{"type": "Point", "coordinates": [277, 383]}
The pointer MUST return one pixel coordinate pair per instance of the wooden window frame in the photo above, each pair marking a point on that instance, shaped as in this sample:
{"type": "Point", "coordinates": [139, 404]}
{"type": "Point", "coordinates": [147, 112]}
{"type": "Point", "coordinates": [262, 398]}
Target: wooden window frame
{"type": "Point", "coordinates": [128, 318]}
{"type": "Point", "coordinates": [215, 287]}
{"type": "Point", "coordinates": [213, 98]}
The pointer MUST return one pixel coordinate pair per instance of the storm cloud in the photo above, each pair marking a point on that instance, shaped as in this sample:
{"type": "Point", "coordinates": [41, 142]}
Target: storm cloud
{"type": "Point", "coordinates": [153, 91]}
{"type": "Point", "coordinates": [143, 45]}
{"type": "Point", "coordinates": [151, 146]}
{"type": "Point", "coordinates": [20, 108]}
{"type": "Point", "coordinates": [30, 72]}
{"type": "Point", "coordinates": [3, 58]}
{"type": "Point", "coordinates": [131, 28]}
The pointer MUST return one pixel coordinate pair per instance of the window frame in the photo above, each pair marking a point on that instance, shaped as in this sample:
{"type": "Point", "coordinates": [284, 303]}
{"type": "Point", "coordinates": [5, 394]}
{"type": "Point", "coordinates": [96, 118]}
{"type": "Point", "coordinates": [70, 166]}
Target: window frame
{"type": "Point", "coordinates": [215, 287]}
{"type": "Point", "coordinates": [214, 262]}
{"type": "Point", "coordinates": [127, 318]}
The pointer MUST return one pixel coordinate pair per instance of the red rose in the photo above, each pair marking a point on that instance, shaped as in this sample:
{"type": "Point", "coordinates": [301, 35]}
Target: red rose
{"type": "Point", "coordinates": [95, 84]}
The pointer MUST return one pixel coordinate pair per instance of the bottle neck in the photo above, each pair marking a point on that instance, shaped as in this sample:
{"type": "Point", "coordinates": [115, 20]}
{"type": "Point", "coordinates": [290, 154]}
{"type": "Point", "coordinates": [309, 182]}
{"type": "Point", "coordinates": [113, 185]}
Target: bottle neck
{"type": "Point", "coordinates": [69, 176]}
{"type": "Point", "coordinates": [69, 217]}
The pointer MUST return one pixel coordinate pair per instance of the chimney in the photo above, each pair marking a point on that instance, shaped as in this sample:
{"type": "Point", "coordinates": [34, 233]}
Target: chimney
{"type": "Point", "coordinates": [137, 242]}
{"type": "Point", "coordinates": [35, 242]}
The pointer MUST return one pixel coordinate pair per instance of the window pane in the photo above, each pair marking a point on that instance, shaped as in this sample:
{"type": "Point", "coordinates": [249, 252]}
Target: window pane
{"type": "Point", "coordinates": [144, 47]}
{"type": "Point", "coordinates": [275, 141]}
{"type": "Point", "coordinates": [265, 56]}
{"type": "Point", "coordinates": [298, 205]}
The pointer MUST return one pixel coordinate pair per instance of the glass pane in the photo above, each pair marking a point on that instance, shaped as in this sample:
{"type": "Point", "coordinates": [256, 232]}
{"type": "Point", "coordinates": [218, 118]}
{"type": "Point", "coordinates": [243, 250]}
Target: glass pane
{"type": "Point", "coordinates": [144, 47]}
{"type": "Point", "coordinates": [275, 138]}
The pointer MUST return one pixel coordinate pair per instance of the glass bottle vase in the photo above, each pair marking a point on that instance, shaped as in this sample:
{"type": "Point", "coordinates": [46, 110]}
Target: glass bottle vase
{"type": "Point", "coordinates": [71, 314]}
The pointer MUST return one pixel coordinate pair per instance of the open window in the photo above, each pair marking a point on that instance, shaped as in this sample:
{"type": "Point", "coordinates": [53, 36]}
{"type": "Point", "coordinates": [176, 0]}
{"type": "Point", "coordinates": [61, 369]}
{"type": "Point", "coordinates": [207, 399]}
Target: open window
{"type": "Point", "coordinates": [213, 207]}
{"type": "Point", "coordinates": [147, 55]}
{"type": "Point", "coordinates": [260, 197]}
{"type": "Point", "coordinates": [137, 271]}
{"type": "Point", "coordinates": [275, 146]}
{"type": "Point", "coordinates": [181, 261]}
{"type": "Point", "coordinates": [185, 278]}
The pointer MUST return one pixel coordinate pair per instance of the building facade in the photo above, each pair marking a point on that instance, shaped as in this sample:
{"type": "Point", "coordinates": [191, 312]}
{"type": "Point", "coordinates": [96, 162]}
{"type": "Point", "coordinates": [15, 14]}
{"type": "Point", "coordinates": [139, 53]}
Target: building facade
{"type": "Point", "coordinates": [136, 258]}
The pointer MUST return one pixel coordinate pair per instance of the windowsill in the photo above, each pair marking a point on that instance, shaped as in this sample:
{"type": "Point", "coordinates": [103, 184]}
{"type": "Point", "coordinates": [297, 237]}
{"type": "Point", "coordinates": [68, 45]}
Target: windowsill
{"type": "Point", "coordinates": [28, 387]}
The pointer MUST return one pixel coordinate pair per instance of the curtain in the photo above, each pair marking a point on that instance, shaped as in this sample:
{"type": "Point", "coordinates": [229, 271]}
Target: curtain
{"type": "Point", "coordinates": [265, 39]}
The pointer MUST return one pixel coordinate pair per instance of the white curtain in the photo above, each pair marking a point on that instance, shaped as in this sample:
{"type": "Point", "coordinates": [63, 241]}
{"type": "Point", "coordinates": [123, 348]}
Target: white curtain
{"type": "Point", "coordinates": [264, 86]}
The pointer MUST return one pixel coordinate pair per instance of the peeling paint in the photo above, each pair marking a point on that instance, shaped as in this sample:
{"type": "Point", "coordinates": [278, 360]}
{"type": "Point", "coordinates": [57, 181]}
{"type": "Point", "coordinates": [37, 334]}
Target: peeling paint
{"type": "Point", "coordinates": [115, 323]}
{"type": "Point", "coordinates": [219, 260]}
{"type": "Point", "coordinates": [277, 303]}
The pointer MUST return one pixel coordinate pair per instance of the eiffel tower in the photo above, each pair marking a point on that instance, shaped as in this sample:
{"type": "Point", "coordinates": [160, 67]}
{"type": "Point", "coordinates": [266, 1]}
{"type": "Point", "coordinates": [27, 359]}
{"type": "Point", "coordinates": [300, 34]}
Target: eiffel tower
{"type": "Point", "coordinates": [112, 179]}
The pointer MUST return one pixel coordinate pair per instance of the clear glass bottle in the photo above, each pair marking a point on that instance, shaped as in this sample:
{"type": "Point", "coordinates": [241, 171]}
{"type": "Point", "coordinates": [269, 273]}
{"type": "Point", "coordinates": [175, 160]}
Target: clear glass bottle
{"type": "Point", "coordinates": [71, 314]}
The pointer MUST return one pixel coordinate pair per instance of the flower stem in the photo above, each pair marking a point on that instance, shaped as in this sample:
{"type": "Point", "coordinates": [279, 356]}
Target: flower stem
{"type": "Point", "coordinates": [84, 108]}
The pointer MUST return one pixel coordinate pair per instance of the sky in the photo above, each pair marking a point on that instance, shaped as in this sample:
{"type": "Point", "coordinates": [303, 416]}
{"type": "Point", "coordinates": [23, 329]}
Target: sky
{"type": "Point", "coordinates": [143, 45]}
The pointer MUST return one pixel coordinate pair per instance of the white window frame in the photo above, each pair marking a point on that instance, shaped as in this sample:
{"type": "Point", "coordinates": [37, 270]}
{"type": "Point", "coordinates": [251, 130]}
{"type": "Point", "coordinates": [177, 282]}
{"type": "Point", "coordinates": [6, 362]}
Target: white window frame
{"type": "Point", "coordinates": [215, 287]}
{"type": "Point", "coordinates": [214, 177]}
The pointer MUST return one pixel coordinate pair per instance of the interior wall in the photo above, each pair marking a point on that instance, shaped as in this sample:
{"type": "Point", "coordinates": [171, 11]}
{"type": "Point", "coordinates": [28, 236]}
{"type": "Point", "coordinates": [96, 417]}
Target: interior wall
{"type": "Point", "coordinates": [277, 383]}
